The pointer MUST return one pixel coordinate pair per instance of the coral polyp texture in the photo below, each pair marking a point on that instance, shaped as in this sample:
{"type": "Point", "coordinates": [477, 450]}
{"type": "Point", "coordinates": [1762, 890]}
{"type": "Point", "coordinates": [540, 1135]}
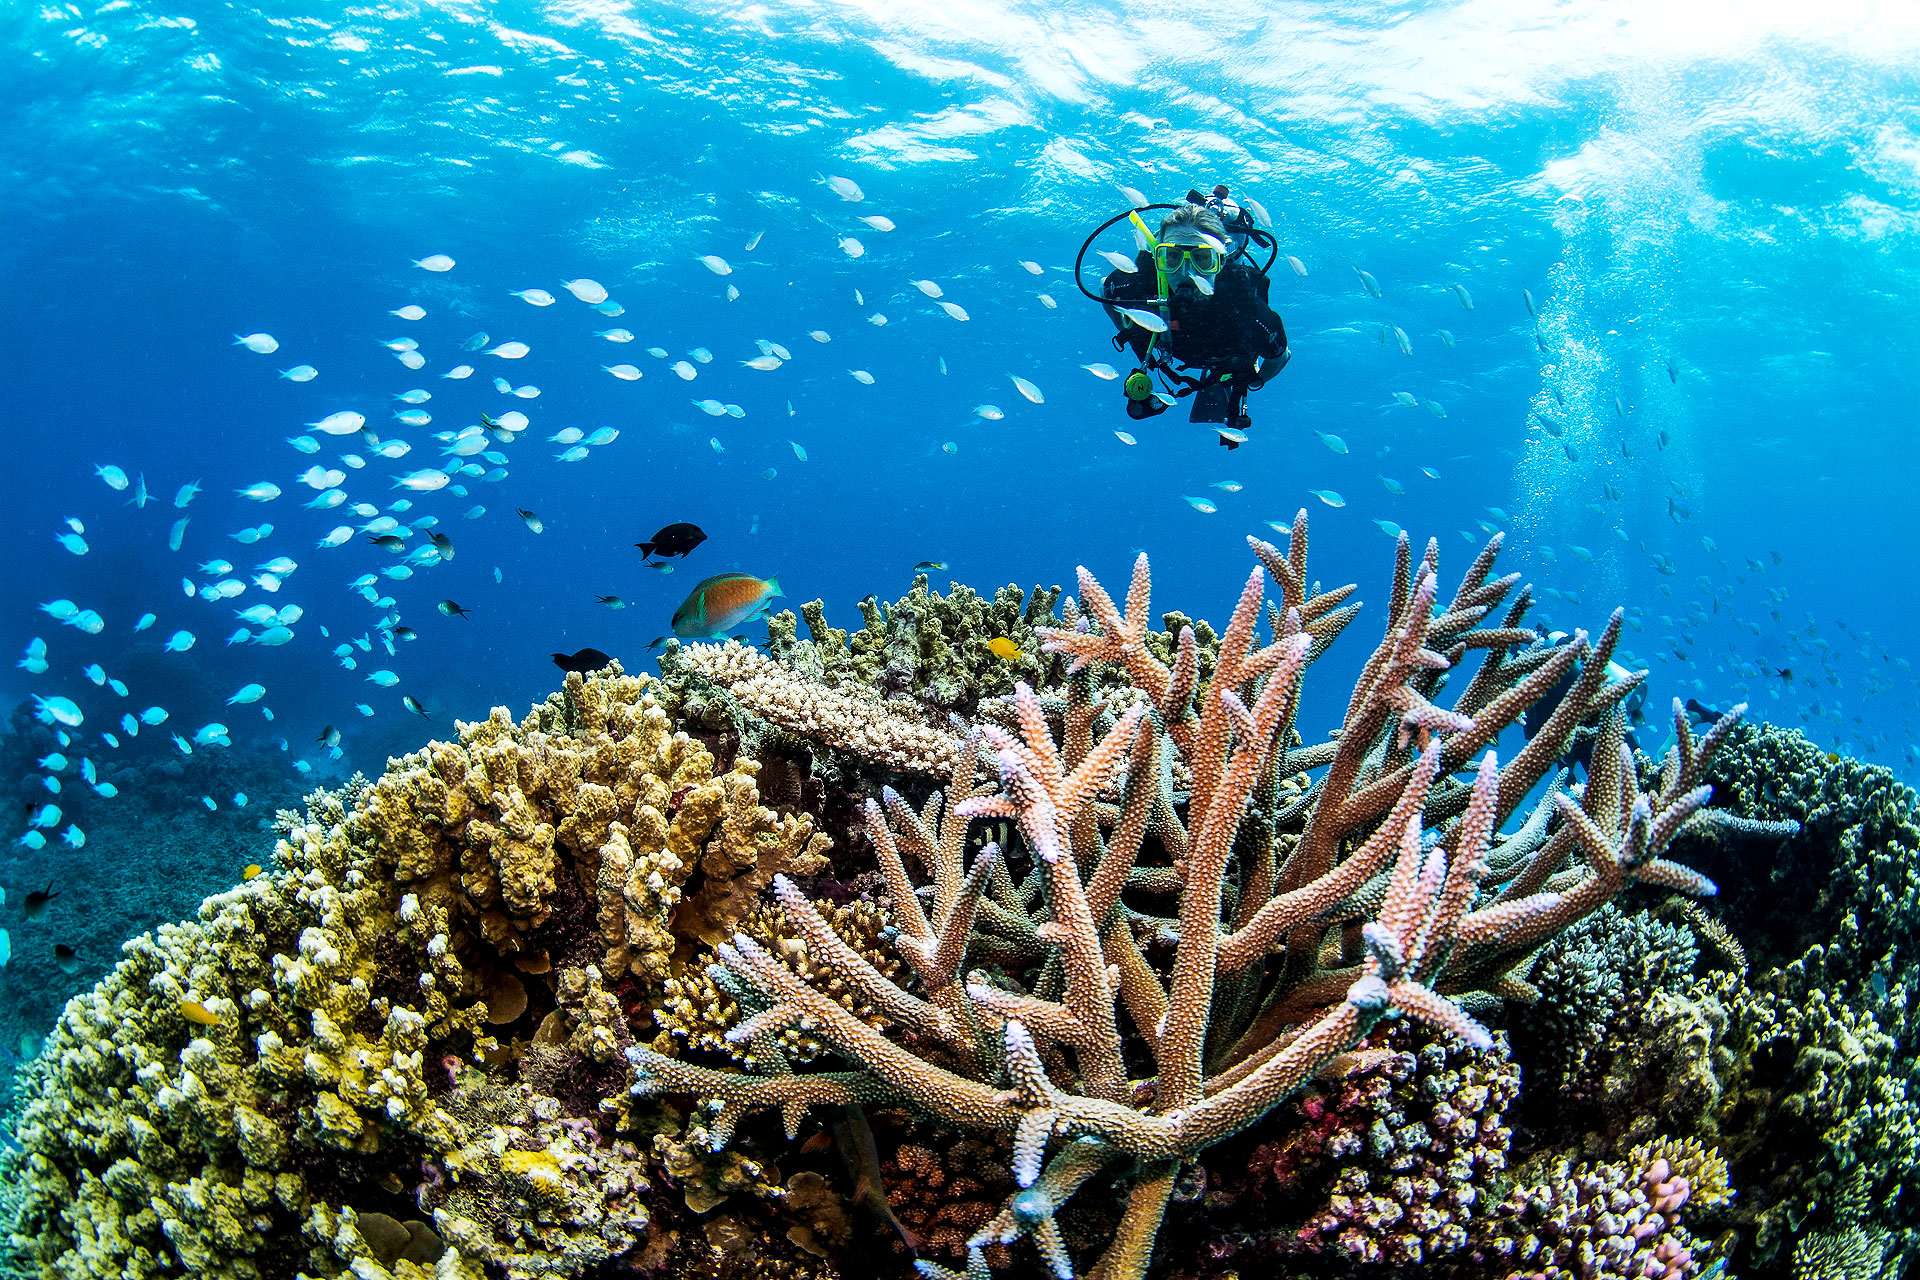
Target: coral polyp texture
{"type": "Point", "coordinates": [414, 1017]}
{"type": "Point", "coordinates": [1075, 955]}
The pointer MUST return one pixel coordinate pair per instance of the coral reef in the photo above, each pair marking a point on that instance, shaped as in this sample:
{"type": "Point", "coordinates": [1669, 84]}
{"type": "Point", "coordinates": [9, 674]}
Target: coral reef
{"type": "Point", "coordinates": [1620, 1221]}
{"type": "Point", "coordinates": [1084, 958]}
{"type": "Point", "coordinates": [944, 1187]}
{"type": "Point", "coordinates": [1819, 1060]}
{"type": "Point", "coordinates": [1814, 1094]}
{"type": "Point", "coordinates": [924, 647]}
{"type": "Point", "coordinates": [1401, 1154]}
{"type": "Point", "coordinates": [1857, 851]}
{"type": "Point", "coordinates": [855, 722]}
{"type": "Point", "coordinates": [1598, 982]}
{"type": "Point", "coordinates": [341, 1037]}
{"type": "Point", "coordinates": [1265, 983]}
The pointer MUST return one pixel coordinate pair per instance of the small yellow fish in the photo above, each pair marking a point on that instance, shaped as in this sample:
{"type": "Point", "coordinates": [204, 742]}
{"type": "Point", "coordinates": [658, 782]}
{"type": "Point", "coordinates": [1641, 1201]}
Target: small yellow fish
{"type": "Point", "coordinates": [253, 869]}
{"type": "Point", "coordinates": [1005, 648]}
{"type": "Point", "coordinates": [194, 1011]}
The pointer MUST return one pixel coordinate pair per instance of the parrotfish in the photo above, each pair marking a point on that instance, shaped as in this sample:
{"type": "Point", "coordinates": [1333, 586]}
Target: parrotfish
{"type": "Point", "coordinates": [724, 603]}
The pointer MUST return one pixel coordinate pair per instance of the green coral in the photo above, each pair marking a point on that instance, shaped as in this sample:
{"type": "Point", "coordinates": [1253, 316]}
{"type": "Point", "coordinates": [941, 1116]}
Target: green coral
{"type": "Point", "coordinates": [1853, 1249]}
{"type": "Point", "coordinates": [1815, 1093]}
{"type": "Point", "coordinates": [1799, 1064]}
{"type": "Point", "coordinates": [925, 646]}
{"type": "Point", "coordinates": [1854, 1253]}
{"type": "Point", "coordinates": [1827, 1040]}
{"type": "Point", "coordinates": [1597, 981]}
{"type": "Point", "coordinates": [1854, 869]}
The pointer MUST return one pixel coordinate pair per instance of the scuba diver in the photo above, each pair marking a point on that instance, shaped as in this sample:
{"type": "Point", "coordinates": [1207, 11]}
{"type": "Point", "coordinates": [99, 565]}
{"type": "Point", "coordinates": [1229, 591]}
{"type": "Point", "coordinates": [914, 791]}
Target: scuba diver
{"type": "Point", "coordinates": [1194, 300]}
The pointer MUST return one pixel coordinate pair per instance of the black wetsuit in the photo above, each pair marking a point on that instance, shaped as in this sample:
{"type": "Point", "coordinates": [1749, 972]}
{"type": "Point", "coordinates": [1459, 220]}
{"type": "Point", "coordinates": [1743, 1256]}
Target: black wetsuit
{"type": "Point", "coordinates": [1226, 333]}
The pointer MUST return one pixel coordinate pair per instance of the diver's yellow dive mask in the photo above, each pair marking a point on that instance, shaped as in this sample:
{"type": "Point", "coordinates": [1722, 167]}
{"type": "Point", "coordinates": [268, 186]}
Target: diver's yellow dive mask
{"type": "Point", "coordinates": [1203, 259]}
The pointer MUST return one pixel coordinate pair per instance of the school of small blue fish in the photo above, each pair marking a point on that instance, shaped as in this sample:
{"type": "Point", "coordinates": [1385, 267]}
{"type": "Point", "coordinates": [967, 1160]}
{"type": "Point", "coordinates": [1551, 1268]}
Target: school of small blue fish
{"type": "Point", "coordinates": [394, 526]}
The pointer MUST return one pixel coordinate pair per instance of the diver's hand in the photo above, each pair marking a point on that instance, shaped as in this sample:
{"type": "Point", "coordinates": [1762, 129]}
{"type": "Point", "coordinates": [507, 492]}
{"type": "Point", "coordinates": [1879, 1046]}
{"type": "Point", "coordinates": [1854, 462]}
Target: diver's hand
{"type": "Point", "coordinates": [1269, 369]}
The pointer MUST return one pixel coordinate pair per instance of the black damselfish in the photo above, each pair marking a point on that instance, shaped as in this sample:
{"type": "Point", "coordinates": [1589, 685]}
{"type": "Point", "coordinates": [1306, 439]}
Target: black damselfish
{"type": "Point", "coordinates": [674, 540]}
{"type": "Point", "coordinates": [37, 900]}
{"type": "Point", "coordinates": [583, 661]}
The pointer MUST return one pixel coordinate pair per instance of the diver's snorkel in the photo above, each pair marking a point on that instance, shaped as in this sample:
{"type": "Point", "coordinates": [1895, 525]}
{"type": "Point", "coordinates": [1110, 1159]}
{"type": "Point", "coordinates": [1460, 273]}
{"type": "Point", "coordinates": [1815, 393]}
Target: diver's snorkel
{"type": "Point", "coordinates": [1152, 246]}
{"type": "Point", "coordinates": [1242, 231]}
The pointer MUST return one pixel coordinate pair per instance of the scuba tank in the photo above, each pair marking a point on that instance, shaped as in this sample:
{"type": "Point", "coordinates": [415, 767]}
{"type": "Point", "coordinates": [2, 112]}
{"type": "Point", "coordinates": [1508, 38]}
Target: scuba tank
{"type": "Point", "coordinates": [1238, 222]}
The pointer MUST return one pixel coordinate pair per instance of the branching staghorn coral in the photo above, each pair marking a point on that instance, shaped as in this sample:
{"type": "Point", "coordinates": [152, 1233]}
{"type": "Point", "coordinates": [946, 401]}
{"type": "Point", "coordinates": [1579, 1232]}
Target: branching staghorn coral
{"type": "Point", "coordinates": [1302, 920]}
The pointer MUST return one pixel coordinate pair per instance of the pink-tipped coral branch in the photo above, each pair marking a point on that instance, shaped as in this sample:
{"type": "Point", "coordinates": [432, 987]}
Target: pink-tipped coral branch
{"type": "Point", "coordinates": [1176, 773]}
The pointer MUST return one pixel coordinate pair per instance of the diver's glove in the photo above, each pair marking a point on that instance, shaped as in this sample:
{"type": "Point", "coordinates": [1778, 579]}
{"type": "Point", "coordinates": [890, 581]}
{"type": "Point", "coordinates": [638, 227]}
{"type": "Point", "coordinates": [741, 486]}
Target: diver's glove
{"type": "Point", "coordinates": [1268, 370]}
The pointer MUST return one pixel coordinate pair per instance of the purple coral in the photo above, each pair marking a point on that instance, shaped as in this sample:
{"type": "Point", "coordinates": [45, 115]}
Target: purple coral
{"type": "Point", "coordinates": [1598, 1222]}
{"type": "Point", "coordinates": [1417, 1132]}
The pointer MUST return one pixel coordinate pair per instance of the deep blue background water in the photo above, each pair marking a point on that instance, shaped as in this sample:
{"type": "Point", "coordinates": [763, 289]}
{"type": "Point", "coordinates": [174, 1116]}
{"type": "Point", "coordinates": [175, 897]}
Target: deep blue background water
{"type": "Point", "coordinates": [1724, 188]}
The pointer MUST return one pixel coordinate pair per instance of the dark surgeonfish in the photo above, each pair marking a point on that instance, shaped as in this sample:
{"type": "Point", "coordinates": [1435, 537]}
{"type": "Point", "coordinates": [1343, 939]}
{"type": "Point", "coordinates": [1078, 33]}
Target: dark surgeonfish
{"type": "Point", "coordinates": [583, 661]}
{"type": "Point", "coordinates": [674, 540]}
{"type": "Point", "coordinates": [1580, 750]}
{"type": "Point", "coordinates": [853, 1136]}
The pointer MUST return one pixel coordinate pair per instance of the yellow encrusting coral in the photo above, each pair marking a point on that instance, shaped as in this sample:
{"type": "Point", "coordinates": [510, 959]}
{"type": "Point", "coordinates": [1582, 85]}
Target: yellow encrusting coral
{"type": "Point", "coordinates": [350, 1009]}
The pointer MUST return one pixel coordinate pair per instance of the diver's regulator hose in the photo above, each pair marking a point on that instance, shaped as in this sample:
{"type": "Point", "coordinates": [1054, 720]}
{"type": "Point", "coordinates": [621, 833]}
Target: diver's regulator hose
{"type": "Point", "coordinates": [1254, 235]}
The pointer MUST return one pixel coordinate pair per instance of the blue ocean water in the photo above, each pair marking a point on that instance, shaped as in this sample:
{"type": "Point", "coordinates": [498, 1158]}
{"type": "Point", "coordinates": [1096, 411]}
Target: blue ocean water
{"type": "Point", "coordinates": [1686, 384]}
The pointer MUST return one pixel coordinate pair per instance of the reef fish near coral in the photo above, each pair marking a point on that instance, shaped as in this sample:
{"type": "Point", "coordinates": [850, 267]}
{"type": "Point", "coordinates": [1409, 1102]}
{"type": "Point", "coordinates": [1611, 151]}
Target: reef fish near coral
{"type": "Point", "coordinates": [722, 604]}
{"type": "Point", "coordinates": [581, 660]}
